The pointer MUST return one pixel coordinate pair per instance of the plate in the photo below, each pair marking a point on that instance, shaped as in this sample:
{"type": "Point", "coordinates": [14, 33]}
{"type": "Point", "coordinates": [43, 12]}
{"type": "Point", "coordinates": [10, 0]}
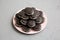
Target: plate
{"type": "Point", "coordinates": [43, 25]}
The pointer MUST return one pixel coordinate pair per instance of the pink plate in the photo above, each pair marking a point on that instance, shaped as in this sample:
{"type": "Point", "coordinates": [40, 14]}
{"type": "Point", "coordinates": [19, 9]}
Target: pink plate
{"type": "Point", "coordinates": [43, 25]}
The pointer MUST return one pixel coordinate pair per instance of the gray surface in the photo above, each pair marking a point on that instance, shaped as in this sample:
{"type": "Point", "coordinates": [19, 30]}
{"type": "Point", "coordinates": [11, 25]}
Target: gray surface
{"type": "Point", "coordinates": [9, 7]}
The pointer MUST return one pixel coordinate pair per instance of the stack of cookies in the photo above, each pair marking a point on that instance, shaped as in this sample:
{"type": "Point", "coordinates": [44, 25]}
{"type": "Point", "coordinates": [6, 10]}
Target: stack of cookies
{"type": "Point", "coordinates": [29, 18]}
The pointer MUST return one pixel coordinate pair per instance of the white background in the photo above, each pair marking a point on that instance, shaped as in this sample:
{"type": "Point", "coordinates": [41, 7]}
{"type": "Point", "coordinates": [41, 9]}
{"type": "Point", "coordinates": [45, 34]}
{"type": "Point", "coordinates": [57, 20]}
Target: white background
{"type": "Point", "coordinates": [9, 7]}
